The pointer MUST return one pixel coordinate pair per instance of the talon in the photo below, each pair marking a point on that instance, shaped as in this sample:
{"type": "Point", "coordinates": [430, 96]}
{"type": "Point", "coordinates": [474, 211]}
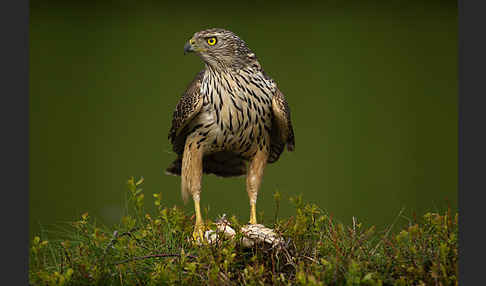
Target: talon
{"type": "Point", "coordinates": [198, 234]}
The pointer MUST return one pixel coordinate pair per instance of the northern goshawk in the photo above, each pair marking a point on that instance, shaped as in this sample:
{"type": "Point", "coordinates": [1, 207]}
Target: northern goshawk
{"type": "Point", "coordinates": [231, 114]}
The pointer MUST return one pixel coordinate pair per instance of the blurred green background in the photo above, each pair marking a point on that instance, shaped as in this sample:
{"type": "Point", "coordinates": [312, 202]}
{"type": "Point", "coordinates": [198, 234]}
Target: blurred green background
{"type": "Point", "coordinates": [372, 87]}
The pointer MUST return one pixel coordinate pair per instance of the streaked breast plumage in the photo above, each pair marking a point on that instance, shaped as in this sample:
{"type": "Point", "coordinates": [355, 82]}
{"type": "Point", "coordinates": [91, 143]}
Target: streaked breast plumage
{"type": "Point", "coordinates": [236, 113]}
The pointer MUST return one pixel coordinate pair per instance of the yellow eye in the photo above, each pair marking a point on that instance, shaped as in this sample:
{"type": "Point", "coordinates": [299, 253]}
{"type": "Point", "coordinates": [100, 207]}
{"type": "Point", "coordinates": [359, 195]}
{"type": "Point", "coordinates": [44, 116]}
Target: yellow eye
{"type": "Point", "coordinates": [211, 41]}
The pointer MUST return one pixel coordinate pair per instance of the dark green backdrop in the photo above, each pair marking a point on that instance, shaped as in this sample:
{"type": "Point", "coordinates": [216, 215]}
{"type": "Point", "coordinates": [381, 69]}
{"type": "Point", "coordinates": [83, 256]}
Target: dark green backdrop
{"type": "Point", "coordinates": [372, 89]}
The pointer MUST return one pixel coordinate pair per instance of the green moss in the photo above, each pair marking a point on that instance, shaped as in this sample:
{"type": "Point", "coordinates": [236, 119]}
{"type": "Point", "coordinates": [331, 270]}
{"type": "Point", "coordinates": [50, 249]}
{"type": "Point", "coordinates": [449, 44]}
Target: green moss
{"type": "Point", "coordinates": [155, 249]}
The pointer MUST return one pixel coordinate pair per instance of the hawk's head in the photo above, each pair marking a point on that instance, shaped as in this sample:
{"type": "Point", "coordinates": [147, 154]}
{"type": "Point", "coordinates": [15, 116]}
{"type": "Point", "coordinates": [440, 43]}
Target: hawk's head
{"type": "Point", "coordinates": [221, 48]}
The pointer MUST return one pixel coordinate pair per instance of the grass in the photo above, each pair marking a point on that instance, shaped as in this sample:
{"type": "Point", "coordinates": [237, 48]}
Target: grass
{"type": "Point", "coordinates": [156, 249]}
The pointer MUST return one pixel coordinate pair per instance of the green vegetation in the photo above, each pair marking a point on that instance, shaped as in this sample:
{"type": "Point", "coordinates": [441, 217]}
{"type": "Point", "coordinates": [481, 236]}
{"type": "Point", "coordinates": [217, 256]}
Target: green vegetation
{"type": "Point", "coordinates": [155, 249]}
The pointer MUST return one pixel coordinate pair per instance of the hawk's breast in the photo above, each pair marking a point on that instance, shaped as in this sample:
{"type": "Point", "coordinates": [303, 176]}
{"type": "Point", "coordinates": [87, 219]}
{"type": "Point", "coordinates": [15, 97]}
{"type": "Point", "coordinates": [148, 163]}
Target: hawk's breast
{"type": "Point", "coordinates": [236, 114]}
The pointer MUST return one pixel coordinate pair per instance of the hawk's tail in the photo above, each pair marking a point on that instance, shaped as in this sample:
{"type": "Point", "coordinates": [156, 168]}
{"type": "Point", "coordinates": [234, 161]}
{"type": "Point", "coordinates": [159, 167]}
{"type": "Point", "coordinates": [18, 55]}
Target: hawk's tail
{"type": "Point", "coordinates": [222, 164]}
{"type": "Point", "coordinates": [175, 168]}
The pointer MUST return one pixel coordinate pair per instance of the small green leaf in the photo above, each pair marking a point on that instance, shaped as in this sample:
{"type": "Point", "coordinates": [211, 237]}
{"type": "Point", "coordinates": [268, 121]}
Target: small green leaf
{"type": "Point", "coordinates": [140, 181]}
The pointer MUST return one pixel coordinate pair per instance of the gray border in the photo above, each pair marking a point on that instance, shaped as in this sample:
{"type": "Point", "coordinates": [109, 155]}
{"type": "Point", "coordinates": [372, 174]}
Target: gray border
{"type": "Point", "coordinates": [472, 139]}
{"type": "Point", "coordinates": [14, 116]}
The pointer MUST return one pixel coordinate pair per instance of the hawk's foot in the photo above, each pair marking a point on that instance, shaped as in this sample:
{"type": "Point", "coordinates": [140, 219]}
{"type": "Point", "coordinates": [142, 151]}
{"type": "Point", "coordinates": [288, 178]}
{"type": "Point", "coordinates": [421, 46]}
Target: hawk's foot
{"type": "Point", "coordinates": [198, 234]}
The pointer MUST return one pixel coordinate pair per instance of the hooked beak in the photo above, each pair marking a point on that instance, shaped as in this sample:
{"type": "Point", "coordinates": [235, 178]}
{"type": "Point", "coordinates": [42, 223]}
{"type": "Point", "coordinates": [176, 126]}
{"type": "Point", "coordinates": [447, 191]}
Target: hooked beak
{"type": "Point", "coordinates": [189, 46]}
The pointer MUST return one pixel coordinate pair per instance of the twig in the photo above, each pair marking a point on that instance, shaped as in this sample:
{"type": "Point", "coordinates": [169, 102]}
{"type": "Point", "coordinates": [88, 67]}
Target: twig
{"type": "Point", "coordinates": [388, 231]}
{"type": "Point", "coordinates": [311, 259]}
{"type": "Point", "coordinates": [116, 235]}
{"type": "Point", "coordinates": [153, 256]}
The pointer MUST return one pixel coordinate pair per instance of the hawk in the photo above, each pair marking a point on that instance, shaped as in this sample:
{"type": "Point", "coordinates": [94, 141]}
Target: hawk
{"type": "Point", "coordinates": [231, 121]}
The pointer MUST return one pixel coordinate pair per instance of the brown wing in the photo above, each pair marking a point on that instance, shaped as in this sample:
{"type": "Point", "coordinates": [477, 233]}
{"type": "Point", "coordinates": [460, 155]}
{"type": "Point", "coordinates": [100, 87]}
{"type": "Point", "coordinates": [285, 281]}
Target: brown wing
{"type": "Point", "coordinates": [282, 131]}
{"type": "Point", "coordinates": [188, 106]}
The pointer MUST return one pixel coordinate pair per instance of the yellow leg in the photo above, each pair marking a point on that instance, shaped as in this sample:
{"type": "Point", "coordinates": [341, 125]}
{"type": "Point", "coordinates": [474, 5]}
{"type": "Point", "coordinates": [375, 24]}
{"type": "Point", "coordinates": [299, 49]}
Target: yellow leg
{"type": "Point", "coordinates": [253, 180]}
{"type": "Point", "coordinates": [198, 233]}
{"type": "Point", "coordinates": [253, 219]}
{"type": "Point", "coordinates": [191, 176]}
